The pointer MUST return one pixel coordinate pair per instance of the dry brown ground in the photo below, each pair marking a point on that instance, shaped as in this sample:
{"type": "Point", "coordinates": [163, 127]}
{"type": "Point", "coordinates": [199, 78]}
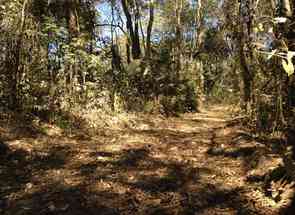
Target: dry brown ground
{"type": "Point", "coordinates": [199, 163]}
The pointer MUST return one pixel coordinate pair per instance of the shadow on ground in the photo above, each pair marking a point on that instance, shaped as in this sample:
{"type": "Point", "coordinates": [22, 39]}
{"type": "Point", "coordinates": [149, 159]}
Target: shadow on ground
{"type": "Point", "coordinates": [146, 178]}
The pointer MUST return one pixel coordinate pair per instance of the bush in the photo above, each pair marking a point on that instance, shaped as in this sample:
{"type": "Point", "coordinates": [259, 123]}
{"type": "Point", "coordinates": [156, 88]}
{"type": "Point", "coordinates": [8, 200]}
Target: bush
{"type": "Point", "coordinates": [184, 100]}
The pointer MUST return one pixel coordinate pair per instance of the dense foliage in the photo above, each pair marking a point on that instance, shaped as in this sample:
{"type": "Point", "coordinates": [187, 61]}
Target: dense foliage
{"type": "Point", "coordinates": [164, 57]}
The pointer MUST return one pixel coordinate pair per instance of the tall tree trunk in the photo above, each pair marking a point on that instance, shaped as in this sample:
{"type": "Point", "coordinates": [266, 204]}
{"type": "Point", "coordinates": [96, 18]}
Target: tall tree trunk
{"type": "Point", "coordinates": [196, 48]}
{"type": "Point", "coordinates": [74, 31]}
{"type": "Point", "coordinates": [198, 33]}
{"type": "Point", "coordinates": [246, 54]}
{"type": "Point", "coordinates": [136, 30]}
{"type": "Point", "coordinates": [285, 10]}
{"type": "Point", "coordinates": [73, 20]}
{"type": "Point", "coordinates": [128, 55]}
{"type": "Point", "coordinates": [247, 80]}
{"type": "Point", "coordinates": [15, 67]}
{"type": "Point", "coordinates": [149, 29]}
{"type": "Point", "coordinates": [133, 31]}
{"type": "Point", "coordinates": [178, 33]}
{"type": "Point", "coordinates": [287, 32]}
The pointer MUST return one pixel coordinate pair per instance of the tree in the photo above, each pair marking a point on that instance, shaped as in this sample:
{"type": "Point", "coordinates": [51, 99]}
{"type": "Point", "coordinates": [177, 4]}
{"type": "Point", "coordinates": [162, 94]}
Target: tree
{"type": "Point", "coordinates": [133, 27]}
{"type": "Point", "coordinates": [13, 63]}
{"type": "Point", "coordinates": [149, 29]}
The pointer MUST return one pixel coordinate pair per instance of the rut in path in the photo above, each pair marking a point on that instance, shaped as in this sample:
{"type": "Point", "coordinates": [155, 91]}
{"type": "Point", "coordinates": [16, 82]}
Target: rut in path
{"type": "Point", "coordinates": [195, 164]}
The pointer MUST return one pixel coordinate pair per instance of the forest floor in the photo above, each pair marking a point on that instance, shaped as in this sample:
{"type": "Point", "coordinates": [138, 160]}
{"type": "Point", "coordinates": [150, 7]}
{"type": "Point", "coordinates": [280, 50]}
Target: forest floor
{"type": "Point", "coordinates": [202, 163]}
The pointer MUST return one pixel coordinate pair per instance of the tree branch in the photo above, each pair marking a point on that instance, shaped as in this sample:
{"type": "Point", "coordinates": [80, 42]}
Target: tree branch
{"type": "Point", "coordinates": [111, 25]}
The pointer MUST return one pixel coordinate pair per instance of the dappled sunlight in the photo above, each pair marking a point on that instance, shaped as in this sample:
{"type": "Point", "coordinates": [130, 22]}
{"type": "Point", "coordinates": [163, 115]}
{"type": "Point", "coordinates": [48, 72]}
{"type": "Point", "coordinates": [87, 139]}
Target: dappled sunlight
{"type": "Point", "coordinates": [147, 107]}
{"type": "Point", "coordinates": [174, 166]}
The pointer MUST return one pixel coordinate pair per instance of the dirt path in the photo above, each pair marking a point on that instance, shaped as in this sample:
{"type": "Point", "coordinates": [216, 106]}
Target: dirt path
{"type": "Point", "coordinates": [195, 164]}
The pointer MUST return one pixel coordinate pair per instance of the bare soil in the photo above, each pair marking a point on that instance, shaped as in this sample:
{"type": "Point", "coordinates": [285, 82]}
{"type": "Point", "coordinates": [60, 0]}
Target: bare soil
{"type": "Point", "coordinates": [202, 163]}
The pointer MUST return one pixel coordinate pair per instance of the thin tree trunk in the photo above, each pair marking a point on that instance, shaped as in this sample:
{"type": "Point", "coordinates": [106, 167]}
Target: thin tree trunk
{"type": "Point", "coordinates": [197, 43]}
{"type": "Point", "coordinates": [149, 30]}
{"type": "Point", "coordinates": [133, 32]}
{"type": "Point", "coordinates": [244, 40]}
{"type": "Point", "coordinates": [136, 42]}
{"type": "Point", "coordinates": [74, 31]}
{"type": "Point", "coordinates": [140, 24]}
{"type": "Point", "coordinates": [128, 55]}
{"type": "Point", "coordinates": [73, 19]}
{"type": "Point", "coordinates": [198, 25]}
{"type": "Point", "coordinates": [246, 80]}
{"type": "Point", "coordinates": [178, 33]}
{"type": "Point", "coordinates": [16, 69]}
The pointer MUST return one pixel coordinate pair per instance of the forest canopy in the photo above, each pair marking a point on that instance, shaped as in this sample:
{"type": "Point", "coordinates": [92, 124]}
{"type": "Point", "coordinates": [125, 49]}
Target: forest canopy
{"type": "Point", "coordinates": [147, 55]}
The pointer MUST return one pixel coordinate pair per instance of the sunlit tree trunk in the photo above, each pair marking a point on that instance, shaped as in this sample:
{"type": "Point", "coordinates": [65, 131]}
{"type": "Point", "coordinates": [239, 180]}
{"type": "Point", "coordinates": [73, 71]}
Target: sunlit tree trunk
{"type": "Point", "coordinates": [73, 19]}
{"type": "Point", "coordinates": [178, 35]}
{"type": "Point", "coordinates": [74, 30]}
{"type": "Point", "coordinates": [198, 40]}
{"type": "Point", "coordinates": [198, 24]}
{"type": "Point", "coordinates": [15, 64]}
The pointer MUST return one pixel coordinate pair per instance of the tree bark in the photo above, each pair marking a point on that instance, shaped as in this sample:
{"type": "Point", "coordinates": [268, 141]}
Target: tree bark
{"type": "Point", "coordinates": [133, 31]}
{"type": "Point", "coordinates": [74, 31]}
{"type": "Point", "coordinates": [247, 80]}
{"type": "Point", "coordinates": [149, 29]}
{"type": "Point", "coordinates": [286, 32]}
{"type": "Point", "coordinates": [73, 19]}
{"type": "Point", "coordinates": [196, 48]}
{"type": "Point", "coordinates": [245, 51]}
{"type": "Point", "coordinates": [16, 68]}
{"type": "Point", "coordinates": [178, 33]}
